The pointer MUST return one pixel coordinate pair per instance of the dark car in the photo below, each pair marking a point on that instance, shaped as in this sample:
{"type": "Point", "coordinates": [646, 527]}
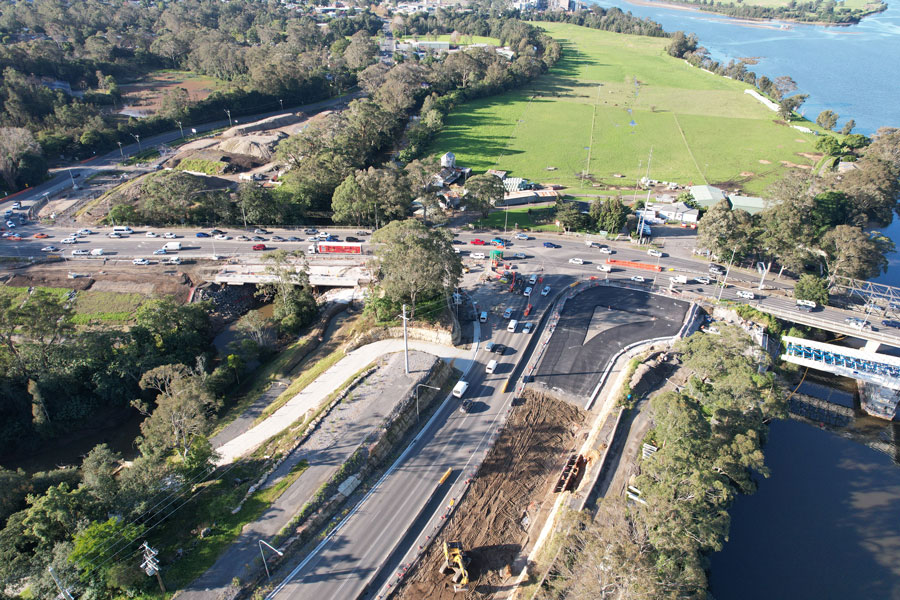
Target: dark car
{"type": "Point", "coordinates": [257, 238]}
{"type": "Point", "coordinates": [202, 234]}
{"type": "Point", "coordinates": [465, 406]}
{"type": "Point", "coordinates": [891, 323]}
{"type": "Point", "coordinates": [310, 231]}
{"type": "Point", "coordinates": [294, 238]}
{"type": "Point", "coordinates": [550, 245]}
{"type": "Point", "coordinates": [277, 238]}
{"type": "Point", "coordinates": [458, 242]}
{"type": "Point", "coordinates": [350, 238]}
{"type": "Point", "coordinates": [216, 232]}
{"type": "Point", "coordinates": [498, 349]}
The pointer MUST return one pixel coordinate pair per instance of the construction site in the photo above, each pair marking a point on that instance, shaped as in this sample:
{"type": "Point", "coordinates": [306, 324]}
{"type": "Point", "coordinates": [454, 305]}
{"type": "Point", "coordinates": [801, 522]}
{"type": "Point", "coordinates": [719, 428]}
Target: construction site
{"type": "Point", "coordinates": [499, 519]}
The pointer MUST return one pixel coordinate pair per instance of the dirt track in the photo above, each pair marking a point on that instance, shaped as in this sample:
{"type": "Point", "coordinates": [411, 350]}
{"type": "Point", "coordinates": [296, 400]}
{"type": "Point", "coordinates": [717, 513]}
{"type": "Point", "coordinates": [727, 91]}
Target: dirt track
{"type": "Point", "coordinates": [505, 506]}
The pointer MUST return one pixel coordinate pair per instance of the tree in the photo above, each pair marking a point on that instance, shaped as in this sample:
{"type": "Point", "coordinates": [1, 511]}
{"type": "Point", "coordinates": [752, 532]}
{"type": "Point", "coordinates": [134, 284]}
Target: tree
{"type": "Point", "coordinates": [827, 119]}
{"type": "Point", "coordinates": [98, 473]}
{"type": "Point", "coordinates": [414, 262]}
{"type": "Point", "coordinates": [788, 106]}
{"type": "Point", "coordinates": [851, 252]}
{"type": "Point", "coordinates": [784, 85]}
{"type": "Point", "coordinates": [723, 230]}
{"type": "Point", "coordinates": [810, 287]}
{"type": "Point", "coordinates": [848, 127]}
{"type": "Point", "coordinates": [360, 52]}
{"type": "Point", "coordinates": [16, 143]}
{"type": "Point", "coordinates": [614, 216]}
{"type": "Point", "coordinates": [829, 145]}
{"type": "Point", "coordinates": [180, 418]}
{"type": "Point", "coordinates": [681, 44]}
{"type": "Point", "coordinates": [93, 549]}
{"type": "Point", "coordinates": [484, 192]}
{"type": "Point", "coordinates": [294, 303]}
{"type": "Point", "coordinates": [569, 216]}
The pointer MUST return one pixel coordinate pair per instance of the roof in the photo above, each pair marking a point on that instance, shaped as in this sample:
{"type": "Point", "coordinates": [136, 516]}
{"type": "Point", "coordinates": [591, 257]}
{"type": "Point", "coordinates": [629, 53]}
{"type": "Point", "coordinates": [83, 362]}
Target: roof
{"type": "Point", "coordinates": [496, 173]}
{"type": "Point", "coordinates": [707, 195]}
{"type": "Point", "coordinates": [752, 204]}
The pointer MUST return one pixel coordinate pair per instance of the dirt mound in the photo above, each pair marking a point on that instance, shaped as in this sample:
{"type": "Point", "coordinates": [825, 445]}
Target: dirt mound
{"type": "Point", "coordinates": [506, 505]}
{"type": "Point", "coordinates": [263, 125]}
{"type": "Point", "coordinates": [255, 146]}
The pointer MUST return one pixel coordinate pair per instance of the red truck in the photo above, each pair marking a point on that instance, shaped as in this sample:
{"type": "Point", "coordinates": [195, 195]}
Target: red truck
{"type": "Point", "coordinates": [334, 248]}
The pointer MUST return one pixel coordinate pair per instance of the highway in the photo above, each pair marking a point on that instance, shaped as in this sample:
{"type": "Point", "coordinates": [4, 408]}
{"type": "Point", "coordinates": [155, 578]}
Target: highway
{"type": "Point", "coordinates": [349, 559]}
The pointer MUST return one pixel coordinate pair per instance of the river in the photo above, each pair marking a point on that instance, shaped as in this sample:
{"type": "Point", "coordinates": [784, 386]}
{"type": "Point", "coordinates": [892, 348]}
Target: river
{"type": "Point", "coordinates": [826, 524]}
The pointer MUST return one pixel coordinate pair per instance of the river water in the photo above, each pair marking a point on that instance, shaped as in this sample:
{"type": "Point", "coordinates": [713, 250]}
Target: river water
{"type": "Point", "coordinates": [826, 524]}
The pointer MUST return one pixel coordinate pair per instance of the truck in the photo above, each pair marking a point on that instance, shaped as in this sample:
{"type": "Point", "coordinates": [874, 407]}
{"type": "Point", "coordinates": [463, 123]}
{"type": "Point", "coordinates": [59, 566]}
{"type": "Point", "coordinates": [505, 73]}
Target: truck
{"type": "Point", "coordinates": [97, 252]}
{"type": "Point", "coordinates": [679, 279]}
{"type": "Point", "coordinates": [335, 248]}
{"type": "Point", "coordinates": [172, 246]}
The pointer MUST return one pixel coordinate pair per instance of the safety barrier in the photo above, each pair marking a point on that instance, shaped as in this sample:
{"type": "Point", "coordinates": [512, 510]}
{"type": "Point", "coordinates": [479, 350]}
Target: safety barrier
{"type": "Point", "coordinates": [633, 264]}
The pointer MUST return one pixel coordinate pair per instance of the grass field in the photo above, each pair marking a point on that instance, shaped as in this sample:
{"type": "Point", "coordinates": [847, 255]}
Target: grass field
{"type": "Point", "coordinates": [614, 97]}
{"type": "Point", "coordinates": [90, 307]}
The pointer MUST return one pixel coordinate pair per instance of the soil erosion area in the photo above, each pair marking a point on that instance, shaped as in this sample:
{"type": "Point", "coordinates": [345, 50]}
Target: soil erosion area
{"type": "Point", "coordinates": [506, 505]}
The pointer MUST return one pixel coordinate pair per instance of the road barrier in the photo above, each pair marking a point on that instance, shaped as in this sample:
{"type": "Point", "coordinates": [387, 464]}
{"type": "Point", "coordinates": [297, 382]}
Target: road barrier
{"type": "Point", "coordinates": [633, 264]}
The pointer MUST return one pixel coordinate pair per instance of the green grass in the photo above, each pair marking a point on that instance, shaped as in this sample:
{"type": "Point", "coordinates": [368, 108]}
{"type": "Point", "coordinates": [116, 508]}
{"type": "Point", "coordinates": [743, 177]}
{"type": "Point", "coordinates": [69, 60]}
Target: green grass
{"type": "Point", "coordinates": [142, 156]}
{"type": "Point", "coordinates": [702, 128]}
{"type": "Point", "coordinates": [539, 219]}
{"type": "Point", "coordinates": [299, 384]}
{"type": "Point", "coordinates": [210, 167]}
{"type": "Point", "coordinates": [106, 306]}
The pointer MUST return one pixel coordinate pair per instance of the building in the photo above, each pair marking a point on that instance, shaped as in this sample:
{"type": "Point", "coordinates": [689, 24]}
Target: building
{"type": "Point", "coordinates": [528, 197]}
{"type": "Point", "coordinates": [752, 204]}
{"type": "Point", "coordinates": [514, 184]}
{"type": "Point", "coordinates": [674, 211]}
{"type": "Point", "coordinates": [449, 172]}
{"type": "Point", "coordinates": [707, 195]}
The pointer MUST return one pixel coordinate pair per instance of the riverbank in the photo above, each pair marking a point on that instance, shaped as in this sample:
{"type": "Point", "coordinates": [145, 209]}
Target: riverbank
{"type": "Point", "coordinates": [853, 18]}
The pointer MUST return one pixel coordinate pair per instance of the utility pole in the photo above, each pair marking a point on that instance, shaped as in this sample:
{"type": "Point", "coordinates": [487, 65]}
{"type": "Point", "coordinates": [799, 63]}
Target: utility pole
{"type": "Point", "coordinates": [405, 341]}
{"type": "Point", "coordinates": [151, 564]}
{"type": "Point", "coordinates": [273, 549]}
{"type": "Point", "coordinates": [120, 149]}
{"type": "Point", "coordinates": [64, 593]}
{"type": "Point", "coordinates": [228, 112]}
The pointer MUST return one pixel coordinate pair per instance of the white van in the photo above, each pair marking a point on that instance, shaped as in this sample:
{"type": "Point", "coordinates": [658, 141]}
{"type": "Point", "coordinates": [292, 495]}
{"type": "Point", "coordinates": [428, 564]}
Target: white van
{"type": "Point", "coordinates": [532, 280]}
{"type": "Point", "coordinates": [478, 255]}
{"type": "Point", "coordinates": [172, 246]}
{"type": "Point", "coordinates": [97, 252]}
{"type": "Point", "coordinates": [491, 367]}
{"type": "Point", "coordinates": [122, 229]}
{"type": "Point", "coordinates": [512, 326]}
{"type": "Point", "coordinates": [483, 317]}
{"type": "Point", "coordinates": [460, 388]}
{"type": "Point", "coordinates": [806, 305]}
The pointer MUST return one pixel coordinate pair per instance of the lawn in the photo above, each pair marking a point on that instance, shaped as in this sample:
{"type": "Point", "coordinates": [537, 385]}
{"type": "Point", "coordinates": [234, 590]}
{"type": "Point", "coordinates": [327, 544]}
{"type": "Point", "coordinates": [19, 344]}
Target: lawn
{"type": "Point", "coordinates": [538, 218]}
{"type": "Point", "coordinates": [609, 101]}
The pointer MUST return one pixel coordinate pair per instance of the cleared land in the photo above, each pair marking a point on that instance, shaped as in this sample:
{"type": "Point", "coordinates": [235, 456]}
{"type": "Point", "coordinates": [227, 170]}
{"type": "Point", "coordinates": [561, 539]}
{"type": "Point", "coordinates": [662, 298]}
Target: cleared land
{"type": "Point", "coordinates": [619, 96]}
{"type": "Point", "coordinates": [144, 97]}
{"type": "Point", "coordinates": [506, 505]}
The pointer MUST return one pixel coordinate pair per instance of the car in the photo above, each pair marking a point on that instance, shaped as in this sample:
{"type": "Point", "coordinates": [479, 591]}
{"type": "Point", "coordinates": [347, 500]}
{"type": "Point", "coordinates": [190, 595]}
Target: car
{"type": "Point", "coordinates": [551, 245]}
{"type": "Point", "coordinates": [159, 252]}
{"type": "Point", "coordinates": [527, 292]}
{"type": "Point", "coordinates": [703, 280]}
{"type": "Point", "coordinates": [533, 279]}
{"type": "Point", "coordinates": [545, 291]}
{"type": "Point", "coordinates": [310, 231]}
{"type": "Point", "coordinates": [150, 234]}
{"type": "Point", "coordinates": [507, 314]}
{"type": "Point", "coordinates": [716, 270]}
{"type": "Point", "coordinates": [478, 242]}
{"type": "Point", "coordinates": [457, 242]}
{"type": "Point", "coordinates": [502, 279]}
{"type": "Point", "coordinates": [260, 231]}
{"type": "Point", "coordinates": [361, 232]}
{"type": "Point", "coordinates": [519, 255]}
{"type": "Point", "coordinates": [10, 224]}
{"type": "Point", "coordinates": [222, 236]}
{"type": "Point", "coordinates": [745, 295]}
{"type": "Point", "coordinates": [528, 327]}
{"type": "Point", "coordinates": [332, 238]}
{"type": "Point", "coordinates": [498, 349]}
{"type": "Point", "coordinates": [14, 238]}
{"type": "Point", "coordinates": [41, 236]}
{"type": "Point", "coordinates": [689, 225]}
{"type": "Point", "coordinates": [858, 323]}
{"type": "Point", "coordinates": [216, 232]}
{"type": "Point", "coordinates": [604, 268]}
{"type": "Point", "coordinates": [80, 252]}
{"type": "Point", "coordinates": [465, 406]}
{"type": "Point", "coordinates": [891, 323]}
{"type": "Point", "coordinates": [312, 239]}
{"type": "Point", "coordinates": [68, 240]}
{"type": "Point", "coordinates": [522, 236]}
{"type": "Point", "coordinates": [140, 261]}
{"type": "Point", "coordinates": [605, 250]}
{"type": "Point", "coordinates": [277, 238]}
{"type": "Point", "coordinates": [202, 234]}
{"type": "Point", "coordinates": [258, 238]}
{"type": "Point", "coordinates": [169, 235]}
{"type": "Point", "coordinates": [243, 238]}
{"type": "Point", "coordinates": [49, 249]}
{"type": "Point", "coordinates": [17, 205]}
{"type": "Point", "coordinates": [638, 279]}
{"type": "Point", "coordinates": [294, 238]}
{"type": "Point", "coordinates": [175, 260]}
{"type": "Point", "coordinates": [655, 253]}
{"type": "Point", "coordinates": [576, 261]}
{"type": "Point", "coordinates": [350, 238]}
{"type": "Point", "coordinates": [259, 246]}
{"type": "Point", "coordinates": [84, 232]}
{"type": "Point", "coordinates": [490, 346]}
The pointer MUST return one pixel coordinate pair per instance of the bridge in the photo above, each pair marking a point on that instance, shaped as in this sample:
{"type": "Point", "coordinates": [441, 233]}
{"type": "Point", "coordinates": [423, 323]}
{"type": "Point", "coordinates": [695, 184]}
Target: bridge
{"type": "Point", "coordinates": [832, 321]}
{"type": "Point", "coordinates": [348, 275]}
{"type": "Point", "coordinates": [879, 373]}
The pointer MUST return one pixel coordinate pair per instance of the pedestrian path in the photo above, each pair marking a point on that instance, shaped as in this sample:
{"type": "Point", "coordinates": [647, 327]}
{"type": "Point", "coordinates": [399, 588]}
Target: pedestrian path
{"type": "Point", "coordinates": [317, 391]}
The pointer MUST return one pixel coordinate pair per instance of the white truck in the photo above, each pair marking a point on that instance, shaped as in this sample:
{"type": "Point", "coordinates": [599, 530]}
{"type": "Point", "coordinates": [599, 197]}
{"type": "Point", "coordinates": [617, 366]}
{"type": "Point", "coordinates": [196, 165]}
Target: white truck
{"type": "Point", "coordinates": [172, 246]}
{"type": "Point", "coordinates": [679, 279]}
{"type": "Point", "coordinates": [97, 252]}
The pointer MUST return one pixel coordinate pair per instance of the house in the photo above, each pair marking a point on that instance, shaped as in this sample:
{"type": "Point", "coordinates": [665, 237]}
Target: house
{"type": "Point", "coordinates": [752, 204]}
{"type": "Point", "coordinates": [449, 172]}
{"type": "Point", "coordinates": [707, 195]}
{"type": "Point", "coordinates": [675, 211]}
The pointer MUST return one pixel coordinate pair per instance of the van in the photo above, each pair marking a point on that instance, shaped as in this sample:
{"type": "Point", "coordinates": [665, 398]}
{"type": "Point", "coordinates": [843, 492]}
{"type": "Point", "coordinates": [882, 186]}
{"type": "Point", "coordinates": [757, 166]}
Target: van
{"type": "Point", "coordinates": [97, 252]}
{"type": "Point", "coordinates": [460, 388]}
{"type": "Point", "coordinates": [512, 326]}
{"type": "Point", "coordinates": [122, 229]}
{"type": "Point", "coordinates": [532, 280]}
{"type": "Point", "coordinates": [491, 367]}
{"type": "Point", "coordinates": [478, 255]}
{"type": "Point", "coordinates": [679, 279]}
{"type": "Point", "coordinates": [483, 317]}
{"type": "Point", "coordinates": [806, 305]}
{"type": "Point", "coordinates": [172, 246]}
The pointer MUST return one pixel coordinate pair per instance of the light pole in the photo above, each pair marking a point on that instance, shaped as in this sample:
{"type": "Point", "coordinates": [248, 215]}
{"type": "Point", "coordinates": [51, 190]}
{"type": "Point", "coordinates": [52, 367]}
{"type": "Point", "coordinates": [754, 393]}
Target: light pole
{"type": "Point", "coordinates": [275, 550]}
{"type": "Point", "coordinates": [727, 271]}
{"type": "Point", "coordinates": [180, 128]}
{"type": "Point", "coordinates": [228, 112]}
{"type": "Point", "coordinates": [281, 102]}
{"type": "Point", "coordinates": [137, 138]}
{"type": "Point", "coordinates": [120, 149]}
{"type": "Point", "coordinates": [421, 385]}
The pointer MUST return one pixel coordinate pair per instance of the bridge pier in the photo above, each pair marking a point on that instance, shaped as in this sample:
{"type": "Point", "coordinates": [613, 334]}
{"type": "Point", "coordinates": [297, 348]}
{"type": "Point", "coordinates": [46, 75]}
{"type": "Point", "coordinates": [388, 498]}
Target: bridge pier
{"type": "Point", "coordinates": [872, 346]}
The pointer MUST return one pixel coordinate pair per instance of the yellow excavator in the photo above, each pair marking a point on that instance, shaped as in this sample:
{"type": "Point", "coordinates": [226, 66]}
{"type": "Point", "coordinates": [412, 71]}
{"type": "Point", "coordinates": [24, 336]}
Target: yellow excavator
{"type": "Point", "coordinates": [456, 561]}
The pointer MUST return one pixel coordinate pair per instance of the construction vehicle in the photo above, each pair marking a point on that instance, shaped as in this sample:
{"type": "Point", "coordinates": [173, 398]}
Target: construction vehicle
{"type": "Point", "coordinates": [456, 561]}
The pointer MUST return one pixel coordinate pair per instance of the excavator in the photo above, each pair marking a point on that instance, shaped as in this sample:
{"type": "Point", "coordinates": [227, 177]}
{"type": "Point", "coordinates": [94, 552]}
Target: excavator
{"type": "Point", "coordinates": [456, 561]}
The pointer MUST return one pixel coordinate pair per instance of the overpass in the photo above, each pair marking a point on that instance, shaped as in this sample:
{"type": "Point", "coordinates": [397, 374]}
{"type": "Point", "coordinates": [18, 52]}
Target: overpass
{"type": "Point", "coordinates": [834, 323]}
{"type": "Point", "coordinates": [349, 275]}
{"type": "Point", "coordinates": [879, 373]}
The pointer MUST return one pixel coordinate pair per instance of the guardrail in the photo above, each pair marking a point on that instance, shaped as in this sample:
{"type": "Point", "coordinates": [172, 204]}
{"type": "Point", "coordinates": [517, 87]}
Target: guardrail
{"type": "Point", "coordinates": [835, 326]}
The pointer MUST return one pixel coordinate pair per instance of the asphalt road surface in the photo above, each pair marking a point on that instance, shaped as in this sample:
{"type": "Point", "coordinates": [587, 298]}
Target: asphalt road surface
{"type": "Point", "coordinates": [597, 324]}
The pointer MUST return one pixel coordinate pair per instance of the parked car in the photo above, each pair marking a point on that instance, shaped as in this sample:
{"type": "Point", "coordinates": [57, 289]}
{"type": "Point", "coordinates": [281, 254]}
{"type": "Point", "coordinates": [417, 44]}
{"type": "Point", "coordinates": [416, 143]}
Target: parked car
{"type": "Point", "coordinates": [259, 246]}
{"type": "Point", "coordinates": [545, 291]}
{"type": "Point", "coordinates": [551, 245]}
{"type": "Point", "coordinates": [576, 261]}
{"type": "Point", "coordinates": [638, 279]}
{"type": "Point", "coordinates": [202, 234]}
{"type": "Point", "coordinates": [140, 261]}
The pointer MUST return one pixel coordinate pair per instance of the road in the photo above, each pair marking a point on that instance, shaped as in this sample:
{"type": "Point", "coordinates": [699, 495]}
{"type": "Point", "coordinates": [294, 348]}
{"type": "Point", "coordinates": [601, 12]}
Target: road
{"type": "Point", "coordinates": [348, 561]}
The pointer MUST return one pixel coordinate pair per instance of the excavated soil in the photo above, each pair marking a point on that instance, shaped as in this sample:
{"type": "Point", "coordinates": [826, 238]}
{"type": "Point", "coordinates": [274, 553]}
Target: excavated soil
{"type": "Point", "coordinates": [506, 505]}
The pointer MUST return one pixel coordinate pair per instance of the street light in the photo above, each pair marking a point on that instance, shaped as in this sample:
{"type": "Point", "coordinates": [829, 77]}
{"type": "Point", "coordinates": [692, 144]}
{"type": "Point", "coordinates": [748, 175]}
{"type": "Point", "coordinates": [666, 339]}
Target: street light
{"type": "Point", "coordinates": [137, 139]}
{"type": "Point", "coordinates": [228, 112]}
{"type": "Point", "coordinates": [275, 550]}
{"type": "Point", "coordinates": [120, 149]}
{"type": "Point", "coordinates": [421, 385]}
{"type": "Point", "coordinates": [281, 102]}
{"type": "Point", "coordinates": [179, 127]}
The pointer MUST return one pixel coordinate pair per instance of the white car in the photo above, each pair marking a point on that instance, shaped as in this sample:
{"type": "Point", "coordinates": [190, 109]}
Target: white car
{"type": "Point", "coordinates": [519, 255]}
{"type": "Point", "coordinates": [655, 253]}
{"type": "Point", "coordinates": [638, 279]}
{"type": "Point", "coordinates": [174, 261]}
{"type": "Point", "coordinates": [604, 268]}
{"type": "Point", "coordinates": [150, 234]}
{"type": "Point", "coordinates": [605, 250]}
{"type": "Point", "coordinates": [745, 295]}
{"type": "Point", "coordinates": [703, 280]}
{"type": "Point", "coordinates": [576, 261]}
{"type": "Point", "coordinates": [10, 224]}
{"type": "Point", "coordinates": [527, 292]}
{"type": "Point", "coordinates": [222, 236]}
{"type": "Point", "coordinates": [545, 291]}
{"type": "Point", "coordinates": [160, 251]}
{"type": "Point", "coordinates": [140, 261]}
{"type": "Point", "coordinates": [80, 252]}
{"type": "Point", "coordinates": [85, 232]}
{"type": "Point", "coordinates": [532, 280]}
{"type": "Point", "coordinates": [114, 235]}
{"type": "Point", "coordinates": [528, 326]}
{"type": "Point", "coordinates": [521, 236]}
{"type": "Point", "coordinates": [169, 235]}
{"type": "Point", "coordinates": [49, 249]}
{"type": "Point", "coordinates": [68, 240]}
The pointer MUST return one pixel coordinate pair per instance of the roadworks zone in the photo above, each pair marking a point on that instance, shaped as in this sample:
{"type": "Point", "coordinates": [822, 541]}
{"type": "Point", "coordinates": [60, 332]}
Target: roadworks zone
{"type": "Point", "coordinates": [506, 506]}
